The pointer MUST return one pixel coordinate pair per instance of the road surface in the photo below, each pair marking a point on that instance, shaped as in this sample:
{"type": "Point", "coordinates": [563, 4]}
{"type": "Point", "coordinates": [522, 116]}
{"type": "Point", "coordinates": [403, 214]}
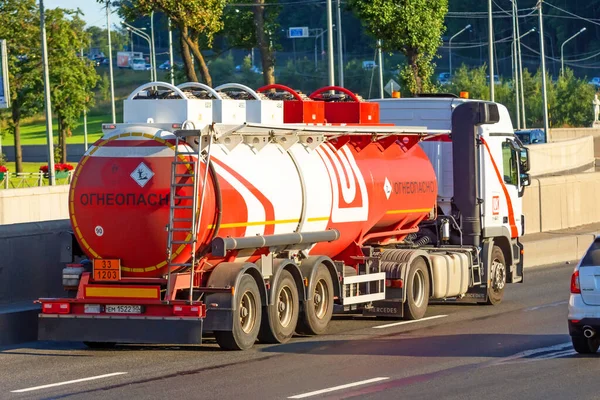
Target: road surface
{"type": "Point", "coordinates": [519, 349]}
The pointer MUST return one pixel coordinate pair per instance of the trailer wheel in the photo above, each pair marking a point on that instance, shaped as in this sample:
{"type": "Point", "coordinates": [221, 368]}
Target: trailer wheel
{"type": "Point", "coordinates": [497, 278]}
{"type": "Point", "coordinates": [246, 317]}
{"type": "Point", "coordinates": [417, 290]}
{"type": "Point", "coordinates": [318, 308]}
{"type": "Point", "coordinates": [281, 318]}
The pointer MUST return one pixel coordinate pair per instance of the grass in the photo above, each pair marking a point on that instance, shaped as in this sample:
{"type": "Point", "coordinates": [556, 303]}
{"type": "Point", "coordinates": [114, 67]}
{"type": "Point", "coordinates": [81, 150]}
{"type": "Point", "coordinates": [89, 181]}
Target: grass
{"type": "Point", "coordinates": [33, 130]}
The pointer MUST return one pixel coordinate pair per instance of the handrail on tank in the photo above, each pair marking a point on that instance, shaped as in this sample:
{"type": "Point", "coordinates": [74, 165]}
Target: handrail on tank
{"type": "Point", "coordinates": [282, 87]}
{"type": "Point", "coordinates": [200, 86]}
{"type": "Point", "coordinates": [155, 84]}
{"type": "Point", "coordinates": [336, 88]}
{"type": "Point", "coordinates": [239, 86]}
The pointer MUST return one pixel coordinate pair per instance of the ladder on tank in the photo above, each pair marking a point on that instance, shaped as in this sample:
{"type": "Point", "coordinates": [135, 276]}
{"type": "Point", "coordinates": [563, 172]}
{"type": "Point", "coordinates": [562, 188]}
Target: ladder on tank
{"type": "Point", "coordinates": [193, 158]}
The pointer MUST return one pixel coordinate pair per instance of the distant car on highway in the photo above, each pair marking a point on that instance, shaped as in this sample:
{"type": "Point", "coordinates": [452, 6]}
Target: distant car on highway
{"type": "Point", "coordinates": [584, 302]}
{"type": "Point", "coordinates": [531, 136]}
{"type": "Point", "coordinates": [595, 81]}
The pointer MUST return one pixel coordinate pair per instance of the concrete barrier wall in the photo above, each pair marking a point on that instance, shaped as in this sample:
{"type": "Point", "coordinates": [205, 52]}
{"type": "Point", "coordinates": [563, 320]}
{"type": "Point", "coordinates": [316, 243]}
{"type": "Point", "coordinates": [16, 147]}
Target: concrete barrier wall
{"type": "Point", "coordinates": [561, 202]}
{"type": "Point", "coordinates": [572, 155]}
{"type": "Point", "coordinates": [573, 133]}
{"type": "Point", "coordinates": [34, 204]}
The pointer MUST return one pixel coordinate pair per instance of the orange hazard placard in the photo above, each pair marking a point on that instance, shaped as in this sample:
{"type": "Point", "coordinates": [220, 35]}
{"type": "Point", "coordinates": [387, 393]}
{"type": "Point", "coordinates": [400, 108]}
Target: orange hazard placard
{"type": "Point", "coordinates": [107, 269]}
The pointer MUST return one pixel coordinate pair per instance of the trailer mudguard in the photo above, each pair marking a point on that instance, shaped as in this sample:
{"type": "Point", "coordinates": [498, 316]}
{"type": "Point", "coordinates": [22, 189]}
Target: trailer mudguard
{"type": "Point", "coordinates": [220, 306]}
{"type": "Point", "coordinates": [307, 267]}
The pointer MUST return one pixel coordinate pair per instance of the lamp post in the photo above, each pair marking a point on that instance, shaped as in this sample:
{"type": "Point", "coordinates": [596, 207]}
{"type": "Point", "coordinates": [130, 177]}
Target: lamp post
{"type": "Point", "coordinates": [48, 104]}
{"type": "Point", "coordinates": [149, 40]}
{"type": "Point", "coordinates": [521, 74]}
{"type": "Point", "coordinates": [171, 71]}
{"type": "Point", "coordinates": [340, 49]}
{"type": "Point", "coordinates": [153, 55]}
{"type": "Point", "coordinates": [491, 49]}
{"type": "Point", "coordinates": [562, 60]}
{"type": "Point", "coordinates": [110, 64]}
{"type": "Point", "coordinates": [515, 63]}
{"type": "Point", "coordinates": [320, 35]}
{"type": "Point", "coordinates": [450, 48]}
{"type": "Point", "coordinates": [330, 43]}
{"type": "Point", "coordinates": [543, 60]}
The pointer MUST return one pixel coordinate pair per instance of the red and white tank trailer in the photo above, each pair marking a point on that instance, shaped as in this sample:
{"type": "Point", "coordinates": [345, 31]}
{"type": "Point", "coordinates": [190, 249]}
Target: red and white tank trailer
{"type": "Point", "coordinates": [258, 214]}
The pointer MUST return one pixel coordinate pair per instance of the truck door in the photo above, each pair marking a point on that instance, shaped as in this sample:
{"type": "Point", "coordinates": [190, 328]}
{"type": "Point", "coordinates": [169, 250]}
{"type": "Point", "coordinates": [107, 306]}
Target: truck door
{"type": "Point", "coordinates": [501, 186]}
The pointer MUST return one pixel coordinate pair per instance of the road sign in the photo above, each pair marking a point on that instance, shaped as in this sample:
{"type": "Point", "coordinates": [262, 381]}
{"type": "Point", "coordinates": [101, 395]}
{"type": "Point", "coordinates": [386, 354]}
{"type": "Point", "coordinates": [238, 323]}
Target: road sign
{"type": "Point", "coordinates": [391, 86]}
{"type": "Point", "coordinates": [4, 88]}
{"type": "Point", "coordinates": [298, 32]}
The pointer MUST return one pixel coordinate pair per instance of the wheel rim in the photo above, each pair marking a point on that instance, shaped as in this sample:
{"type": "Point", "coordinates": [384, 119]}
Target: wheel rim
{"type": "Point", "coordinates": [247, 312]}
{"type": "Point", "coordinates": [418, 290]}
{"type": "Point", "coordinates": [498, 275]}
{"type": "Point", "coordinates": [321, 299]}
{"type": "Point", "coordinates": [285, 306]}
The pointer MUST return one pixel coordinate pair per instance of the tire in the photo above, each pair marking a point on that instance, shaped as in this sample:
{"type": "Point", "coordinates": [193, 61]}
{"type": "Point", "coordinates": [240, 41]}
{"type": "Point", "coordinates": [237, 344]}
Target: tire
{"type": "Point", "coordinates": [100, 345]}
{"type": "Point", "coordinates": [417, 290]}
{"type": "Point", "coordinates": [280, 319]}
{"type": "Point", "coordinates": [318, 308]}
{"type": "Point", "coordinates": [583, 345]}
{"type": "Point", "coordinates": [495, 291]}
{"type": "Point", "coordinates": [246, 317]}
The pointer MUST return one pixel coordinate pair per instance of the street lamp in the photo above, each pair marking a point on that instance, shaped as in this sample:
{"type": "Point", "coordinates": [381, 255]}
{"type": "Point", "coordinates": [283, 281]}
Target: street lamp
{"type": "Point", "coordinates": [562, 61]}
{"type": "Point", "coordinates": [520, 60]}
{"type": "Point", "coordinates": [47, 101]}
{"type": "Point", "coordinates": [145, 36]}
{"type": "Point", "coordinates": [450, 47]}
{"type": "Point", "coordinates": [110, 64]}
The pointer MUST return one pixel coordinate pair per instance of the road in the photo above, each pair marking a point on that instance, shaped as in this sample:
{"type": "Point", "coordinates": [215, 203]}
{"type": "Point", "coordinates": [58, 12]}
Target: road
{"type": "Point", "coordinates": [519, 349]}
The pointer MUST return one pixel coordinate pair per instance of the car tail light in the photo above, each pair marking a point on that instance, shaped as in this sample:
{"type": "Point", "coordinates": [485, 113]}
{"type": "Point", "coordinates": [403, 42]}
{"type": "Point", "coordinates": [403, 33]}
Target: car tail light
{"type": "Point", "coordinates": [575, 283]}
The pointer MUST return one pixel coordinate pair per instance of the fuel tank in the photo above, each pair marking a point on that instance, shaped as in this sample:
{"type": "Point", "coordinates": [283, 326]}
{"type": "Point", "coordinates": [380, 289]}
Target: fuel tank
{"type": "Point", "coordinates": [119, 199]}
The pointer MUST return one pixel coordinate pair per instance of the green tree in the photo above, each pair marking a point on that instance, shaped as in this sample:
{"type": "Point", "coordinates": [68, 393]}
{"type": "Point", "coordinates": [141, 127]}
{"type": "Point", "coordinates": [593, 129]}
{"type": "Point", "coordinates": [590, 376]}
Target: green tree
{"type": "Point", "coordinates": [193, 18]}
{"type": "Point", "coordinates": [413, 27]}
{"type": "Point", "coordinates": [19, 24]}
{"type": "Point", "coordinates": [573, 107]}
{"type": "Point", "coordinates": [72, 77]}
{"type": "Point", "coordinates": [98, 38]}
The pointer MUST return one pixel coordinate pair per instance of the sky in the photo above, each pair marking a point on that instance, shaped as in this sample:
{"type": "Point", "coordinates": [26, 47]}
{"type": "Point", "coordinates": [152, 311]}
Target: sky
{"type": "Point", "coordinates": [94, 13]}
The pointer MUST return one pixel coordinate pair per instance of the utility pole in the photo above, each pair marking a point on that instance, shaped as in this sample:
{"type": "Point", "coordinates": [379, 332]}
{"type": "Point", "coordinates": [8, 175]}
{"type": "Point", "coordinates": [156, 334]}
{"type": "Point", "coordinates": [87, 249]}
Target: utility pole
{"type": "Point", "coordinates": [47, 102]}
{"type": "Point", "coordinates": [153, 49]}
{"type": "Point", "coordinates": [171, 71]}
{"type": "Point", "coordinates": [85, 132]}
{"type": "Point", "coordinates": [110, 64]}
{"type": "Point", "coordinates": [491, 49]}
{"type": "Point", "coordinates": [330, 43]}
{"type": "Point", "coordinates": [515, 63]}
{"type": "Point", "coordinates": [340, 48]}
{"type": "Point", "coordinates": [544, 94]}
{"type": "Point", "coordinates": [381, 95]}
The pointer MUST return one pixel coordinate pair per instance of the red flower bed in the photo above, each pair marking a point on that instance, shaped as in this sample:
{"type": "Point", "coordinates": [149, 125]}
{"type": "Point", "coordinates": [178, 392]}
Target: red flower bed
{"type": "Point", "coordinates": [3, 169]}
{"type": "Point", "coordinates": [57, 167]}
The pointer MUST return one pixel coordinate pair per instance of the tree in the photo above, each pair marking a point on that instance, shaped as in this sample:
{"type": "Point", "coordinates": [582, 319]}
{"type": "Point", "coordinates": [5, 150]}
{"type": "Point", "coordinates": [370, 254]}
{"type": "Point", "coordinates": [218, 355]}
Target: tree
{"type": "Point", "coordinates": [19, 24]}
{"type": "Point", "coordinates": [413, 27]}
{"type": "Point", "coordinates": [99, 39]}
{"type": "Point", "coordinates": [193, 18]}
{"type": "Point", "coordinates": [72, 77]}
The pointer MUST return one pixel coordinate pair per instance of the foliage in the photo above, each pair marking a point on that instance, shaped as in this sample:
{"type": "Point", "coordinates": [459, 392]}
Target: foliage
{"type": "Point", "coordinates": [104, 87]}
{"type": "Point", "coordinates": [574, 107]}
{"type": "Point", "coordinates": [99, 39]}
{"type": "Point", "coordinates": [413, 27]}
{"type": "Point", "coordinates": [222, 70]}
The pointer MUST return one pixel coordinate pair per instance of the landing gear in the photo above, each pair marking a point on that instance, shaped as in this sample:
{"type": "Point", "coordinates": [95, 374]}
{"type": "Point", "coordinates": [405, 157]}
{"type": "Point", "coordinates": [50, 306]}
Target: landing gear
{"type": "Point", "coordinates": [246, 317]}
{"type": "Point", "coordinates": [318, 308]}
{"type": "Point", "coordinates": [280, 318]}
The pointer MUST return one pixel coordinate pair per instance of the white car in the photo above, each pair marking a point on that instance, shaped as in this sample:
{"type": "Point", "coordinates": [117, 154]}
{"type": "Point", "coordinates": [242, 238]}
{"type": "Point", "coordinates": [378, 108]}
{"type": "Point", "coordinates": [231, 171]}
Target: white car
{"type": "Point", "coordinates": [584, 302]}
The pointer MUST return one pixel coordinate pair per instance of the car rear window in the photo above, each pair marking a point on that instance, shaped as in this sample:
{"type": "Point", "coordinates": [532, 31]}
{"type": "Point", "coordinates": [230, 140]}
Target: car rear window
{"type": "Point", "coordinates": [592, 257]}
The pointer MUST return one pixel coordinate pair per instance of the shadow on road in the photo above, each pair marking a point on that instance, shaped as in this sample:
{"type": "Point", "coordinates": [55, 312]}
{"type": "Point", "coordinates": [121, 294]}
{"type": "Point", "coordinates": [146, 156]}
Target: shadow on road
{"type": "Point", "coordinates": [462, 345]}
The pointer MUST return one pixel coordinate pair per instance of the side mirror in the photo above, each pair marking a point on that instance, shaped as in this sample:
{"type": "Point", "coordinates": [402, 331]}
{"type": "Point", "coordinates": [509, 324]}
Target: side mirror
{"type": "Point", "coordinates": [525, 180]}
{"type": "Point", "coordinates": [524, 159]}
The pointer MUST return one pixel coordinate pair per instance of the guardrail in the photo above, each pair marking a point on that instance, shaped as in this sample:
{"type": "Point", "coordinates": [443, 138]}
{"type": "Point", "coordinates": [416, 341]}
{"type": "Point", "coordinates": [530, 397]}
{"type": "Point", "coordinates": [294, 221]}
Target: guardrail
{"type": "Point", "coordinates": [22, 180]}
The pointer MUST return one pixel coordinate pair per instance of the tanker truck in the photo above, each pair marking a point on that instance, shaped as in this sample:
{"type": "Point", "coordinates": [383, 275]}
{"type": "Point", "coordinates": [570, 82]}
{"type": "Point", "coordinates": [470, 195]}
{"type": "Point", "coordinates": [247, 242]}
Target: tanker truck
{"type": "Point", "coordinates": [253, 215]}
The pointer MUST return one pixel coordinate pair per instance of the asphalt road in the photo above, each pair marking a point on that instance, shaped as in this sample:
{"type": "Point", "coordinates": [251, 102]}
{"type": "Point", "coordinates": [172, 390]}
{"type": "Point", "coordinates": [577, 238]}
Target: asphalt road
{"type": "Point", "coordinates": [519, 349]}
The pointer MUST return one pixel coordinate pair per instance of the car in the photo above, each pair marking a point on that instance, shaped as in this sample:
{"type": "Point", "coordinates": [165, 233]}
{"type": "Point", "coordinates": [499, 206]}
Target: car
{"type": "Point", "coordinates": [531, 136]}
{"type": "Point", "coordinates": [584, 301]}
{"type": "Point", "coordinates": [444, 78]}
{"type": "Point", "coordinates": [595, 81]}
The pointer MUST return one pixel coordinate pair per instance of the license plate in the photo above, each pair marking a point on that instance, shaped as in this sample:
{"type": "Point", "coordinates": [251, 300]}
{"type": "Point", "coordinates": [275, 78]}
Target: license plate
{"type": "Point", "coordinates": [122, 309]}
{"type": "Point", "coordinates": [107, 270]}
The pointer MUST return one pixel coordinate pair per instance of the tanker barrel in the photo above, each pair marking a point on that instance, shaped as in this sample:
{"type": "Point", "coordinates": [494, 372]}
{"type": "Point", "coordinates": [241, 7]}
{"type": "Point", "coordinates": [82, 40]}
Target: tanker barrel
{"type": "Point", "coordinates": [220, 246]}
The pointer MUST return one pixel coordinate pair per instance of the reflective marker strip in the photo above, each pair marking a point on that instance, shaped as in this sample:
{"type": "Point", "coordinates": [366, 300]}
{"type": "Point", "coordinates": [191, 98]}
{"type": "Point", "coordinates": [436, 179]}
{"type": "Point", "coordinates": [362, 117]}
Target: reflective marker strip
{"type": "Point", "coordinates": [408, 322]}
{"type": "Point", "coordinates": [67, 382]}
{"type": "Point", "coordinates": [349, 385]}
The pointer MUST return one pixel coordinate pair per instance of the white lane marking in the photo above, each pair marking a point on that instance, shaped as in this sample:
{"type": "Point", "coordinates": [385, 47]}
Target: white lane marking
{"type": "Point", "coordinates": [408, 322]}
{"type": "Point", "coordinates": [332, 389]}
{"type": "Point", "coordinates": [91, 378]}
{"type": "Point", "coordinates": [559, 303]}
{"type": "Point", "coordinates": [552, 350]}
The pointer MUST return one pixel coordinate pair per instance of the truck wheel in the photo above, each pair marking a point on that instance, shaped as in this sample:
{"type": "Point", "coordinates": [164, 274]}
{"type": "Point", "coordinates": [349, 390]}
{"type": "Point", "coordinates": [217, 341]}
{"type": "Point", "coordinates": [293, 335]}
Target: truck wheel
{"type": "Point", "coordinates": [495, 290]}
{"type": "Point", "coordinates": [246, 317]}
{"type": "Point", "coordinates": [281, 318]}
{"type": "Point", "coordinates": [583, 345]}
{"type": "Point", "coordinates": [318, 308]}
{"type": "Point", "coordinates": [417, 290]}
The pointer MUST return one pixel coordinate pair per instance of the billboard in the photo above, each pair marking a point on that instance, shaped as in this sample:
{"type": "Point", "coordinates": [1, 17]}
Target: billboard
{"type": "Point", "coordinates": [4, 88]}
